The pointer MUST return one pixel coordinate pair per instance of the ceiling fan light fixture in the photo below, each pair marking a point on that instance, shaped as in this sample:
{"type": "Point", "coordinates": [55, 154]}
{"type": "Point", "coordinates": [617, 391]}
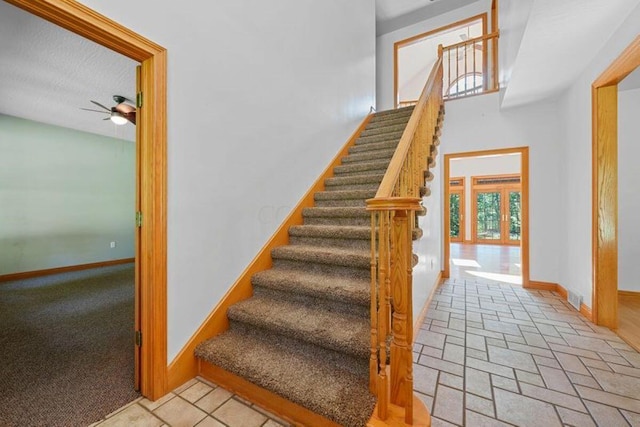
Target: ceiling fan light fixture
{"type": "Point", "coordinates": [118, 118]}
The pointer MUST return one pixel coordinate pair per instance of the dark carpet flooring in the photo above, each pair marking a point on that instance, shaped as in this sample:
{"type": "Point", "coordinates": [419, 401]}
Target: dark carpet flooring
{"type": "Point", "coordinates": [66, 347]}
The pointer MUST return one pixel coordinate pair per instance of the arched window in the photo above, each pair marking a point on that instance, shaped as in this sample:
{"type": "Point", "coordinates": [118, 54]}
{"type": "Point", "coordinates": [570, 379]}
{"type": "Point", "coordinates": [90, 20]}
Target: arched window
{"type": "Point", "coordinates": [467, 84]}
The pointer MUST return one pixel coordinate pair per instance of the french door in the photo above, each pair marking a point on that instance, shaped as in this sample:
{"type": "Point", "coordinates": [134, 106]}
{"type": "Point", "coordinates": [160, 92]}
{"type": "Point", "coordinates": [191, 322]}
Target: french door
{"type": "Point", "coordinates": [497, 214]}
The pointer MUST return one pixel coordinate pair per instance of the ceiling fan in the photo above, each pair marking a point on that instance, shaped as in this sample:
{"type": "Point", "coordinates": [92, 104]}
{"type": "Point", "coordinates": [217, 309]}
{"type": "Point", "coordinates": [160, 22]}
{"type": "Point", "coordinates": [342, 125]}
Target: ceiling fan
{"type": "Point", "coordinates": [461, 53]}
{"type": "Point", "coordinates": [119, 114]}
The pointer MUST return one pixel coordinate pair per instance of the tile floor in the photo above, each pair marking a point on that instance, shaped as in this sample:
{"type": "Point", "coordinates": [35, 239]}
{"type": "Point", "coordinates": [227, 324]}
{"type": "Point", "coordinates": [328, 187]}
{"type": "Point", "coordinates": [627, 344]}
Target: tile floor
{"type": "Point", "coordinates": [488, 354]}
{"type": "Point", "coordinates": [196, 403]}
{"type": "Point", "coordinates": [497, 355]}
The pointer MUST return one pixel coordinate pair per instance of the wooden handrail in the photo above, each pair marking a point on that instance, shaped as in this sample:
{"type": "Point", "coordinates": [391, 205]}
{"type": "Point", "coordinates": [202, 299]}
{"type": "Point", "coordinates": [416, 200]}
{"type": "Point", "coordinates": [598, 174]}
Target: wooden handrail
{"type": "Point", "coordinates": [495, 34]}
{"type": "Point", "coordinates": [393, 218]}
{"type": "Point", "coordinates": [395, 166]}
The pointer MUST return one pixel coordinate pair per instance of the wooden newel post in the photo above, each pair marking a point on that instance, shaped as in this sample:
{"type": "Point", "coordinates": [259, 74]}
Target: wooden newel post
{"type": "Point", "coordinates": [401, 357]}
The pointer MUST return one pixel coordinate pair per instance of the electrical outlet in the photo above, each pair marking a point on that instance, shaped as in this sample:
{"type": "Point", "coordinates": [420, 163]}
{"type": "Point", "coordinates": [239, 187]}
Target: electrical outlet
{"type": "Point", "coordinates": [113, 245]}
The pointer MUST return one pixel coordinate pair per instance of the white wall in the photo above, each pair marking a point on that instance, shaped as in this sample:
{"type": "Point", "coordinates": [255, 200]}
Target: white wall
{"type": "Point", "coordinates": [469, 167]}
{"type": "Point", "coordinates": [628, 185]}
{"type": "Point", "coordinates": [261, 97]}
{"type": "Point", "coordinates": [384, 46]}
{"type": "Point", "coordinates": [477, 123]}
{"type": "Point", "coordinates": [576, 265]}
{"type": "Point", "coordinates": [429, 246]}
{"type": "Point", "coordinates": [64, 196]}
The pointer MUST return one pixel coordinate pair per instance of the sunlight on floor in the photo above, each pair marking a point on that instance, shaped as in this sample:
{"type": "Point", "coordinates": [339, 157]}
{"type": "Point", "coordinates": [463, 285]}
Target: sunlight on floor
{"type": "Point", "coordinates": [506, 278]}
{"type": "Point", "coordinates": [465, 262]}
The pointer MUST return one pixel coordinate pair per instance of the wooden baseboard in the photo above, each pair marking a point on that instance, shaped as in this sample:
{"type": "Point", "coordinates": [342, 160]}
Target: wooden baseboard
{"type": "Point", "coordinates": [585, 310]}
{"type": "Point", "coordinates": [57, 270]}
{"type": "Point", "coordinates": [425, 308]}
{"type": "Point", "coordinates": [184, 366]}
{"type": "Point", "coordinates": [267, 400]}
{"type": "Point", "coordinates": [629, 293]}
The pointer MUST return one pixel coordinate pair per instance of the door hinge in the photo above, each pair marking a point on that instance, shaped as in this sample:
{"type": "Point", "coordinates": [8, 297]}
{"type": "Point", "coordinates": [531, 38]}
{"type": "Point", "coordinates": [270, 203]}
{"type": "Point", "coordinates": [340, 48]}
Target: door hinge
{"type": "Point", "coordinates": [138, 338]}
{"type": "Point", "coordinates": [139, 100]}
{"type": "Point", "coordinates": [138, 219]}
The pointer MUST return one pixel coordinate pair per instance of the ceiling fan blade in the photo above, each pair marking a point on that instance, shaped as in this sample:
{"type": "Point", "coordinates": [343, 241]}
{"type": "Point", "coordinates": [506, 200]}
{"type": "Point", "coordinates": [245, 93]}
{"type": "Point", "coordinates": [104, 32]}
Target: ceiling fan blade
{"type": "Point", "coordinates": [130, 116]}
{"type": "Point", "coordinates": [100, 105]}
{"type": "Point", "coordinates": [108, 118]}
{"type": "Point", "coordinates": [96, 111]}
{"type": "Point", "coordinates": [125, 108]}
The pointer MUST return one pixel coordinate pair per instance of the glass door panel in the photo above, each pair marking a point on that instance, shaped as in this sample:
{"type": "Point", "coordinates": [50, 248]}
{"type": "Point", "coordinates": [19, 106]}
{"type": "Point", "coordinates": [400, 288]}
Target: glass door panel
{"type": "Point", "coordinates": [514, 216]}
{"type": "Point", "coordinates": [455, 216]}
{"type": "Point", "coordinates": [488, 216]}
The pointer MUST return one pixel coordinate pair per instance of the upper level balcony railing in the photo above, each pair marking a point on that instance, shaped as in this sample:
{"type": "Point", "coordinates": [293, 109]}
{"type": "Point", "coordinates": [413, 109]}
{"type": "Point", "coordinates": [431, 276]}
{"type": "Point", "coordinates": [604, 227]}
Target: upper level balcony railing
{"type": "Point", "coordinates": [470, 67]}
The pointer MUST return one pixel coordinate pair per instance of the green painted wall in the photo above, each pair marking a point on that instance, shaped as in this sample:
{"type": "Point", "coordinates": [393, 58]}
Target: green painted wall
{"type": "Point", "coordinates": [65, 196]}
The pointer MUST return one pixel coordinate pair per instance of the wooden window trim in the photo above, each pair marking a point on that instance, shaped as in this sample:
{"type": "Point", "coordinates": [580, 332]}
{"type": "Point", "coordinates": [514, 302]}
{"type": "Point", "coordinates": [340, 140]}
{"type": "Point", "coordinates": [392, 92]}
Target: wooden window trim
{"type": "Point", "coordinates": [462, 190]}
{"type": "Point", "coordinates": [399, 44]}
{"type": "Point", "coordinates": [502, 188]}
{"type": "Point", "coordinates": [91, 25]}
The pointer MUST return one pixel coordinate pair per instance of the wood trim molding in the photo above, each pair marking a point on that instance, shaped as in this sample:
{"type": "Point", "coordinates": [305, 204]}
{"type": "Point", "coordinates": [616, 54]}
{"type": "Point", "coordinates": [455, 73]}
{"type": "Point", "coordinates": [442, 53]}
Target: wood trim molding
{"type": "Point", "coordinates": [152, 119]}
{"type": "Point", "coordinates": [397, 45]}
{"type": "Point", "coordinates": [585, 310]}
{"type": "Point", "coordinates": [629, 293]}
{"type": "Point", "coordinates": [524, 189]}
{"type": "Point", "coordinates": [184, 366]}
{"type": "Point", "coordinates": [423, 313]}
{"type": "Point", "coordinates": [604, 232]}
{"type": "Point", "coordinates": [267, 400]}
{"type": "Point", "coordinates": [57, 270]}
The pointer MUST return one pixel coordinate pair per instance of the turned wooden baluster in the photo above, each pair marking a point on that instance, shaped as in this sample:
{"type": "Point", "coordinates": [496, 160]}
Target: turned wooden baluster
{"type": "Point", "coordinates": [373, 360]}
{"type": "Point", "coordinates": [384, 313]}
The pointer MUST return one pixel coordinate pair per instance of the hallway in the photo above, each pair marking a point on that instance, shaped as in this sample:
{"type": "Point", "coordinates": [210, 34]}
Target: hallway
{"type": "Point", "coordinates": [493, 354]}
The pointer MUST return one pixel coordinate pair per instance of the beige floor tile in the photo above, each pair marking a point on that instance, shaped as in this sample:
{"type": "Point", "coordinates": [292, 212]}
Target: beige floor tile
{"type": "Point", "coordinates": [574, 418]}
{"type": "Point", "coordinates": [180, 413]}
{"type": "Point", "coordinates": [185, 386]}
{"type": "Point", "coordinates": [530, 412]}
{"type": "Point", "coordinates": [156, 404]}
{"type": "Point", "coordinates": [478, 420]}
{"type": "Point", "coordinates": [134, 415]}
{"type": "Point", "coordinates": [210, 422]}
{"type": "Point", "coordinates": [212, 401]}
{"type": "Point", "coordinates": [606, 415]}
{"type": "Point", "coordinates": [236, 414]}
{"type": "Point", "coordinates": [196, 391]}
{"type": "Point", "coordinates": [449, 405]}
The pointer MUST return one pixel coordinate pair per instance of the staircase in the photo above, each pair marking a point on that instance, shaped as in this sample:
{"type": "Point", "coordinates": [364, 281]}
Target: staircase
{"type": "Point", "coordinates": [305, 333]}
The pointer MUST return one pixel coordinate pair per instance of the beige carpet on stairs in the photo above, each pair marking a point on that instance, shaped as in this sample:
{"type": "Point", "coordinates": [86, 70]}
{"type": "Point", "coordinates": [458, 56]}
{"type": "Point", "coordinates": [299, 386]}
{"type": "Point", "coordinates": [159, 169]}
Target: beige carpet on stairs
{"type": "Point", "coordinates": [304, 334]}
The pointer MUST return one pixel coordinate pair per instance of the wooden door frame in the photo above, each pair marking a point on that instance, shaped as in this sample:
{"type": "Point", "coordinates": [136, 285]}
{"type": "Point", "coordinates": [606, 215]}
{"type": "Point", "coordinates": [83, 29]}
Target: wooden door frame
{"type": "Point", "coordinates": [604, 185]}
{"type": "Point", "coordinates": [524, 183]}
{"type": "Point", "coordinates": [89, 24]}
{"type": "Point", "coordinates": [462, 189]}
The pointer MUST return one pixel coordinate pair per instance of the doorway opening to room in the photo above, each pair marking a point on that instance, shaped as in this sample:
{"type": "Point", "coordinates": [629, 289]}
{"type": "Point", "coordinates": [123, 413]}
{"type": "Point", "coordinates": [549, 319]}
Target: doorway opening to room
{"type": "Point", "coordinates": [486, 216]}
{"type": "Point", "coordinates": [148, 338]}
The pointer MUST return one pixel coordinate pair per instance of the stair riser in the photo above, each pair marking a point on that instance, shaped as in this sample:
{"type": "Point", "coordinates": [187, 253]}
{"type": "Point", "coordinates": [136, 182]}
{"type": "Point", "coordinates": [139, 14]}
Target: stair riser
{"type": "Point", "coordinates": [347, 187]}
{"type": "Point", "coordinates": [368, 157]}
{"type": "Point", "coordinates": [382, 130]}
{"type": "Point", "coordinates": [316, 268]}
{"type": "Point", "coordinates": [354, 179]}
{"type": "Point", "coordinates": [358, 221]}
{"type": "Point", "coordinates": [341, 203]}
{"type": "Point", "coordinates": [326, 242]}
{"type": "Point", "coordinates": [365, 148]}
{"type": "Point", "coordinates": [400, 120]}
{"type": "Point", "coordinates": [346, 306]}
{"type": "Point", "coordinates": [391, 113]}
{"type": "Point", "coordinates": [379, 138]}
{"type": "Point", "coordinates": [377, 166]}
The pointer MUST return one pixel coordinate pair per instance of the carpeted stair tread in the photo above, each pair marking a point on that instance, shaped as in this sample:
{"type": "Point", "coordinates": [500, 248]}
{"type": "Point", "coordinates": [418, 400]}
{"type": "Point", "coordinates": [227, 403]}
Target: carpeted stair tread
{"type": "Point", "coordinates": [323, 255]}
{"type": "Point", "coordinates": [368, 156]}
{"type": "Point", "coordinates": [390, 121]}
{"type": "Point", "coordinates": [374, 166]}
{"type": "Point", "coordinates": [395, 112]}
{"type": "Point", "coordinates": [342, 195]}
{"type": "Point", "coordinates": [313, 380]}
{"type": "Point", "coordinates": [336, 331]}
{"type": "Point", "coordinates": [339, 288]}
{"type": "Point", "coordinates": [383, 130]}
{"type": "Point", "coordinates": [339, 212]}
{"type": "Point", "coordinates": [364, 178]}
{"type": "Point", "coordinates": [385, 145]}
{"type": "Point", "coordinates": [392, 136]}
{"type": "Point", "coordinates": [331, 232]}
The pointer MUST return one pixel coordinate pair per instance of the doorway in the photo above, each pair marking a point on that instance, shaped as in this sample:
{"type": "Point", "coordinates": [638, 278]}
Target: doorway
{"type": "Point", "coordinates": [150, 173]}
{"type": "Point", "coordinates": [486, 217]}
{"type": "Point", "coordinates": [605, 310]}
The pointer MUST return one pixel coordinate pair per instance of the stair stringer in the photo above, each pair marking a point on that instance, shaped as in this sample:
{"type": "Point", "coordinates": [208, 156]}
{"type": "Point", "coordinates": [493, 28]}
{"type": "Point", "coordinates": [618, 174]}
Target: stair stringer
{"type": "Point", "coordinates": [186, 366]}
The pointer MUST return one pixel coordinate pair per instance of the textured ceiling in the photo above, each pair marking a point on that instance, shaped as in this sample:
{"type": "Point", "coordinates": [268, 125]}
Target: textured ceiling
{"type": "Point", "coordinates": [48, 73]}
{"type": "Point", "coordinates": [560, 39]}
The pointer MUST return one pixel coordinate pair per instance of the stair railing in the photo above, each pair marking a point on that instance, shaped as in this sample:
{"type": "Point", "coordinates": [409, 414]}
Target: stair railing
{"type": "Point", "coordinates": [393, 212]}
{"type": "Point", "coordinates": [470, 67]}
